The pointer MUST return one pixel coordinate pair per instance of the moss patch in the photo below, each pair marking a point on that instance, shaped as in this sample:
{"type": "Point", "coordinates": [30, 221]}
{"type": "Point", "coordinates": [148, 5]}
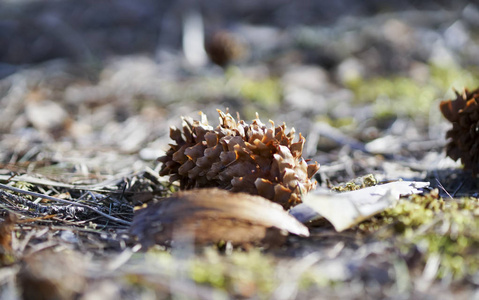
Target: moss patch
{"type": "Point", "coordinates": [240, 274]}
{"type": "Point", "coordinates": [403, 95]}
{"type": "Point", "coordinates": [264, 91]}
{"type": "Point", "coordinates": [444, 228]}
{"type": "Point", "coordinates": [356, 184]}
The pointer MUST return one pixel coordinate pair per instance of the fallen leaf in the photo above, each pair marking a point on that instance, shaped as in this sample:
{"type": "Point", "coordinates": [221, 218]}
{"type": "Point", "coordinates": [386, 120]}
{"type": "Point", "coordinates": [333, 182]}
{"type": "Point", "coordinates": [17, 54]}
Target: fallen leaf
{"type": "Point", "coordinates": [344, 210]}
{"type": "Point", "coordinates": [206, 216]}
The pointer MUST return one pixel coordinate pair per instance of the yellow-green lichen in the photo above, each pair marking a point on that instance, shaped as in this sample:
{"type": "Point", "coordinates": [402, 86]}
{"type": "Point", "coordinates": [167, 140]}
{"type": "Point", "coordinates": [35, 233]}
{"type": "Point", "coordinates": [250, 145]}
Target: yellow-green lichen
{"type": "Point", "coordinates": [356, 184]}
{"type": "Point", "coordinates": [26, 186]}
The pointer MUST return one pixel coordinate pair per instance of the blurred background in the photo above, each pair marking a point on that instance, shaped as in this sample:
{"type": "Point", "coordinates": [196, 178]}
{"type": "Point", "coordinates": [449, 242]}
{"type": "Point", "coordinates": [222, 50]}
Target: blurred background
{"type": "Point", "coordinates": [90, 87]}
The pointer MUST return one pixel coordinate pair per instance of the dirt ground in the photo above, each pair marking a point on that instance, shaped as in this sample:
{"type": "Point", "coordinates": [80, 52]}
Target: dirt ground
{"type": "Point", "coordinates": [89, 90]}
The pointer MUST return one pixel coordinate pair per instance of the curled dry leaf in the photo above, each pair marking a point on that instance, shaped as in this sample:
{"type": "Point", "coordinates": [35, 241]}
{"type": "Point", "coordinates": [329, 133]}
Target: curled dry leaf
{"type": "Point", "coordinates": [463, 113]}
{"type": "Point", "coordinates": [239, 157]}
{"type": "Point", "coordinates": [206, 216]}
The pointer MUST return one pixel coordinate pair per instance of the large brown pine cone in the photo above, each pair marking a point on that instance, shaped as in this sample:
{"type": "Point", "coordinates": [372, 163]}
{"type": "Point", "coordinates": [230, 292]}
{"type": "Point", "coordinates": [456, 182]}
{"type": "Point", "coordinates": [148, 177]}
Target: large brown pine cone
{"type": "Point", "coordinates": [463, 113]}
{"type": "Point", "coordinates": [239, 157]}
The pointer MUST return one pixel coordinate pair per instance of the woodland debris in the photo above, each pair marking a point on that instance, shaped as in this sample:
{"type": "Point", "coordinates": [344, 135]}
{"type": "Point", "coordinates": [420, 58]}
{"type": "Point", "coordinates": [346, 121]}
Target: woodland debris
{"type": "Point", "coordinates": [239, 157]}
{"type": "Point", "coordinates": [53, 208]}
{"type": "Point", "coordinates": [208, 216]}
{"type": "Point", "coordinates": [52, 275]}
{"type": "Point", "coordinates": [44, 114]}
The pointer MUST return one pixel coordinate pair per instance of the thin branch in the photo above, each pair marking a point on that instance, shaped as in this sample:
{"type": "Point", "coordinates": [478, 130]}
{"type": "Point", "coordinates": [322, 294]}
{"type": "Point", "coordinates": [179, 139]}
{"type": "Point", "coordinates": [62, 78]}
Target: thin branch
{"type": "Point", "coordinates": [6, 187]}
{"type": "Point", "coordinates": [48, 209]}
{"type": "Point", "coordinates": [458, 188]}
{"type": "Point", "coordinates": [443, 188]}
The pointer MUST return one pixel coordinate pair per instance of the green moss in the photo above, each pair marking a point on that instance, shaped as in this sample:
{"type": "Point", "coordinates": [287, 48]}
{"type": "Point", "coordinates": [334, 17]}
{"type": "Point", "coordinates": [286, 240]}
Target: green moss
{"type": "Point", "coordinates": [23, 185]}
{"type": "Point", "coordinates": [445, 228]}
{"type": "Point", "coordinates": [402, 95]}
{"type": "Point", "coordinates": [241, 274]}
{"type": "Point", "coordinates": [26, 186]}
{"type": "Point", "coordinates": [454, 77]}
{"type": "Point", "coordinates": [356, 184]}
{"type": "Point", "coordinates": [396, 95]}
{"type": "Point", "coordinates": [265, 91]}
{"type": "Point", "coordinates": [336, 122]}
{"type": "Point", "coordinates": [312, 278]}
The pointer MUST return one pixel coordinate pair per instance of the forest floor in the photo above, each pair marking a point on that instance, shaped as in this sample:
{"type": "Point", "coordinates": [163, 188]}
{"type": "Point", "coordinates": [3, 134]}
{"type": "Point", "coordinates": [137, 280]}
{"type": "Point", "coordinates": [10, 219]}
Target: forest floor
{"type": "Point", "coordinates": [82, 136]}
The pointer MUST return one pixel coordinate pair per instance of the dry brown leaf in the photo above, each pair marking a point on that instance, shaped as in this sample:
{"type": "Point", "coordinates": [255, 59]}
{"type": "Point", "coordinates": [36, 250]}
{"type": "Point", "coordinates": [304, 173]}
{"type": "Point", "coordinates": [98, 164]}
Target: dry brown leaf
{"type": "Point", "coordinates": [207, 216]}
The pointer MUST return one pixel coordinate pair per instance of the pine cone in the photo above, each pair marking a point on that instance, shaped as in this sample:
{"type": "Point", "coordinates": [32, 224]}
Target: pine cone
{"type": "Point", "coordinates": [223, 48]}
{"type": "Point", "coordinates": [463, 113]}
{"type": "Point", "coordinates": [241, 158]}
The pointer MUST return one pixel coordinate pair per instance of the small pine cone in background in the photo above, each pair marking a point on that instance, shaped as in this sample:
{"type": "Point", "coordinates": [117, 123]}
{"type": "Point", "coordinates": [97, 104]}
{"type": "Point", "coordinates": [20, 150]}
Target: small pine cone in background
{"type": "Point", "coordinates": [463, 113]}
{"type": "Point", "coordinates": [239, 157]}
{"type": "Point", "coordinates": [223, 48]}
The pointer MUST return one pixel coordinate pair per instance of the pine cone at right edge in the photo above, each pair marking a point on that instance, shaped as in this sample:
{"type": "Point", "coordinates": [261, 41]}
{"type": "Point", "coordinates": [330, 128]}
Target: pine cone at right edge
{"type": "Point", "coordinates": [463, 113]}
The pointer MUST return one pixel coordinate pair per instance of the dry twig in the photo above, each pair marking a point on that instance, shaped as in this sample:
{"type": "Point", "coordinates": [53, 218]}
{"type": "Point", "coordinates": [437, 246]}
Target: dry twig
{"type": "Point", "coordinates": [53, 208]}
